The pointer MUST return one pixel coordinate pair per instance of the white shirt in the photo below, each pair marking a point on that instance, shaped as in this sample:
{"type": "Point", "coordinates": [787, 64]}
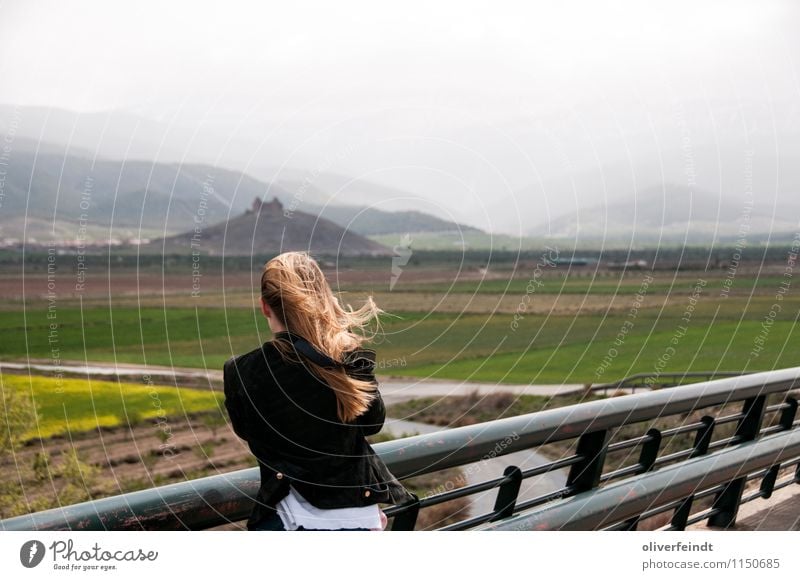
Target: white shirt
{"type": "Point", "coordinates": [296, 511]}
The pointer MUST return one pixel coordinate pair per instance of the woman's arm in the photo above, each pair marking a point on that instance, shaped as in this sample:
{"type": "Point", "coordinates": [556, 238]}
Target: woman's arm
{"type": "Point", "coordinates": [362, 366]}
{"type": "Point", "coordinates": [371, 420]}
{"type": "Point", "coordinates": [234, 400]}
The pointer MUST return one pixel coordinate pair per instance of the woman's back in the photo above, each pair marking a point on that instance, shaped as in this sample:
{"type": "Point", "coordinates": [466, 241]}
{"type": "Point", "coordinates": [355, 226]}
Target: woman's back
{"type": "Point", "coordinates": [288, 406]}
{"type": "Point", "coordinates": [305, 401]}
{"type": "Point", "coordinates": [288, 417]}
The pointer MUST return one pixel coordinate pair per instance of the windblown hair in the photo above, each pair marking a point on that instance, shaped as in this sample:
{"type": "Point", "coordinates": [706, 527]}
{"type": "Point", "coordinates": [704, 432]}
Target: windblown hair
{"type": "Point", "coordinates": [295, 288]}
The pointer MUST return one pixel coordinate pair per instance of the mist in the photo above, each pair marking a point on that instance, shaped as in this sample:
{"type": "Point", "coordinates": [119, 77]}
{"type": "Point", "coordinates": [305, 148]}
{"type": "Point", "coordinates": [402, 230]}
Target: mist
{"type": "Point", "coordinates": [515, 119]}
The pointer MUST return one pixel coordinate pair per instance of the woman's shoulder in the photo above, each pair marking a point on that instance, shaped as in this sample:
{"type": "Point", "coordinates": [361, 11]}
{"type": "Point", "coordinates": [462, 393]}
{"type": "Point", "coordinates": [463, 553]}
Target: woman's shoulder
{"type": "Point", "coordinates": [266, 354]}
{"type": "Point", "coordinates": [357, 359]}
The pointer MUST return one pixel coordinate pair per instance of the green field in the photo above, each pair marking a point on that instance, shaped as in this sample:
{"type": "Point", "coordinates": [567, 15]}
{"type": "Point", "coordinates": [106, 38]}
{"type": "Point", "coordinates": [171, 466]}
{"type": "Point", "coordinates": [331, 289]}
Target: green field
{"type": "Point", "coordinates": [563, 346]}
{"type": "Point", "coordinates": [582, 282]}
{"type": "Point", "coordinates": [72, 405]}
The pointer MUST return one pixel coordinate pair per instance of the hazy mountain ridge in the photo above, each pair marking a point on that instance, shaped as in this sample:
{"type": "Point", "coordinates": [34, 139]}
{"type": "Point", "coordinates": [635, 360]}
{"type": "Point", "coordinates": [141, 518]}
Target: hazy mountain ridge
{"type": "Point", "coordinates": [370, 221]}
{"type": "Point", "coordinates": [675, 213]}
{"type": "Point", "coordinates": [570, 185]}
{"type": "Point", "coordinates": [267, 229]}
{"type": "Point", "coordinates": [138, 198]}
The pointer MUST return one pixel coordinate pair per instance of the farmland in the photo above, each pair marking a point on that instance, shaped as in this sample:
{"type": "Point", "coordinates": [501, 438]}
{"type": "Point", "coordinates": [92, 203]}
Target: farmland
{"type": "Point", "coordinates": [509, 322]}
{"type": "Point", "coordinates": [514, 325]}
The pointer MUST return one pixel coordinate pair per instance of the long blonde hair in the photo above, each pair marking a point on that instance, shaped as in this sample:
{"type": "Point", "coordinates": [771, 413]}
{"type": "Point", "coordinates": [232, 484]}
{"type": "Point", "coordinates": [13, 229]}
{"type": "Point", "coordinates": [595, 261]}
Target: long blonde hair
{"type": "Point", "coordinates": [295, 288]}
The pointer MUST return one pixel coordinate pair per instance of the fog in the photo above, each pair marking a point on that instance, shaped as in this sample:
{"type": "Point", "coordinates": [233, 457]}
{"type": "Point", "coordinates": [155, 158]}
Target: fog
{"type": "Point", "coordinates": [506, 117]}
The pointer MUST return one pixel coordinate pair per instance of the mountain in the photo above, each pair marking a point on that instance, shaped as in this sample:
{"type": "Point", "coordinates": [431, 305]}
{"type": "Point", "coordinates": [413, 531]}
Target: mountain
{"type": "Point", "coordinates": [48, 190]}
{"type": "Point", "coordinates": [505, 176]}
{"type": "Point", "coordinates": [62, 190]}
{"type": "Point", "coordinates": [119, 134]}
{"type": "Point", "coordinates": [369, 221]}
{"type": "Point", "coordinates": [675, 213]}
{"type": "Point", "coordinates": [269, 228]}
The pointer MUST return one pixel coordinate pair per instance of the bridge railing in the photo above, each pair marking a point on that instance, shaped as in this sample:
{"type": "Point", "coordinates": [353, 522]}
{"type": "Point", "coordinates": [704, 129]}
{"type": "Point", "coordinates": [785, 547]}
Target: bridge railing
{"type": "Point", "coordinates": [598, 430]}
{"type": "Point", "coordinates": [623, 505]}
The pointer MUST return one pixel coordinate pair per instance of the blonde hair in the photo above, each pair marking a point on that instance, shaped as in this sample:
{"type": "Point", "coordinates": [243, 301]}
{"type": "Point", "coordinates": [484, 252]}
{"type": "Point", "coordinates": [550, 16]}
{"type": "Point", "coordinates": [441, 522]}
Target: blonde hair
{"type": "Point", "coordinates": [295, 288]}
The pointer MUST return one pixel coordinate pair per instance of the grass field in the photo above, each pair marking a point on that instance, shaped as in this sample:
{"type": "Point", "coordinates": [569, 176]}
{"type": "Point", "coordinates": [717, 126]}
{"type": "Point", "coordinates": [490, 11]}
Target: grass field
{"type": "Point", "coordinates": [583, 283]}
{"type": "Point", "coordinates": [574, 329]}
{"type": "Point", "coordinates": [444, 323]}
{"type": "Point", "coordinates": [74, 405]}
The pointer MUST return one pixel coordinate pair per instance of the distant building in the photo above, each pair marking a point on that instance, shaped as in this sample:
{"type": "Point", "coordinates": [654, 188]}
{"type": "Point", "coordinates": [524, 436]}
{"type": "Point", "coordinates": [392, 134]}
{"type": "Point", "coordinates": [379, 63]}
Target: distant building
{"type": "Point", "coordinates": [629, 265]}
{"type": "Point", "coordinates": [571, 261]}
{"type": "Point", "coordinates": [272, 207]}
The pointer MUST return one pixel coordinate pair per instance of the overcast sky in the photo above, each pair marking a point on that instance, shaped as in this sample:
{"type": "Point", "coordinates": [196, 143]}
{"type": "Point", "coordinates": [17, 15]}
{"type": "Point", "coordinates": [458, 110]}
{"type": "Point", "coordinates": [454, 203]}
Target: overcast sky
{"type": "Point", "coordinates": [347, 55]}
{"type": "Point", "coordinates": [392, 69]}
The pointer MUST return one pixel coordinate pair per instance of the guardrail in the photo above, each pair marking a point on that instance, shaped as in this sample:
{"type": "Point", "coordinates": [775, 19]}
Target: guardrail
{"type": "Point", "coordinates": [593, 426]}
{"type": "Point", "coordinates": [664, 490]}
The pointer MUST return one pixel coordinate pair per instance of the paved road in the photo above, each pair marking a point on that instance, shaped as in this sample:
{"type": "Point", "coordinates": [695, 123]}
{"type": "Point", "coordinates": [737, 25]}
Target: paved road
{"type": "Point", "coordinates": [393, 390]}
{"type": "Point", "coordinates": [123, 371]}
{"type": "Point", "coordinates": [396, 390]}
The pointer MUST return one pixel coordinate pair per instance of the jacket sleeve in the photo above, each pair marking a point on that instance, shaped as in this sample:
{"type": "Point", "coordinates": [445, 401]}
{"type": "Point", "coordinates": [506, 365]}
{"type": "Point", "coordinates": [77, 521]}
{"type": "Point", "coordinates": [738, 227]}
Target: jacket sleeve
{"type": "Point", "coordinates": [363, 367]}
{"type": "Point", "coordinates": [371, 421]}
{"type": "Point", "coordinates": [234, 399]}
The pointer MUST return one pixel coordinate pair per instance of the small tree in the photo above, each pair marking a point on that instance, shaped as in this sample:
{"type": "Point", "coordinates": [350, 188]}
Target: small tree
{"type": "Point", "coordinates": [19, 413]}
{"type": "Point", "coordinates": [41, 465]}
{"type": "Point", "coordinates": [213, 421]}
{"type": "Point", "coordinates": [79, 478]}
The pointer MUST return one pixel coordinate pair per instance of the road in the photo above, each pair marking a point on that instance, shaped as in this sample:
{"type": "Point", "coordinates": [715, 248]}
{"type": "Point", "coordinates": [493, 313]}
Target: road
{"type": "Point", "coordinates": [393, 389]}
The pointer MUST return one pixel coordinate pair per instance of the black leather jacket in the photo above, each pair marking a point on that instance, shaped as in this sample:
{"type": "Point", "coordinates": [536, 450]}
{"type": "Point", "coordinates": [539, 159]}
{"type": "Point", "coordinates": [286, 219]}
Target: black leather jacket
{"type": "Point", "coordinates": [288, 418]}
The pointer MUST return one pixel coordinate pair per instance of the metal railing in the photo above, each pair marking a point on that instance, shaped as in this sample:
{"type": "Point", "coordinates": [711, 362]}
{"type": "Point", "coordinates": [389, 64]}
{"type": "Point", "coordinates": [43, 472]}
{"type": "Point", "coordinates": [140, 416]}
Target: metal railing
{"type": "Point", "coordinates": [622, 505]}
{"type": "Point", "coordinates": [750, 451]}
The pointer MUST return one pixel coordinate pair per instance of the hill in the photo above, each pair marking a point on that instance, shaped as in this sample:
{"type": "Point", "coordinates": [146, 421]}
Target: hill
{"type": "Point", "coordinates": [673, 213]}
{"type": "Point", "coordinates": [63, 189]}
{"type": "Point", "coordinates": [370, 221]}
{"type": "Point", "coordinates": [49, 189]}
{"type": "Point", "coordinates": [267, 229]}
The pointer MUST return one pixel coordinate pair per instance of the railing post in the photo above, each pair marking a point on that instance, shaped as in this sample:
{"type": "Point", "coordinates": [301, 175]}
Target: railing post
{"type": "Point", "coordinates": [406, 520]}
{"type": "Point", "coordinates": [789, 413]}
{"type": "Point", "coordinates": [768, 483]}
{"type": "Point", "coordinates": [702, 439]}
{"type": "Point", "coordinates": [507, 494]}
{"type": "Point", "coordinates": [585, 474]}
{"type": "Point", "coordinates": [647, 458]}
{"type": "Point", "coordinates": [786, 421]}
{"type": "Point", "coordinates": [727, 500]}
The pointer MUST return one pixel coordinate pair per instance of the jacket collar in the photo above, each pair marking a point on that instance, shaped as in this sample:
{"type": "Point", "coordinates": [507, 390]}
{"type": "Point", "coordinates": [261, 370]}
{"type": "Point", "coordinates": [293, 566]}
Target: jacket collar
{"type": "Point", "coordinates": [356, 359]}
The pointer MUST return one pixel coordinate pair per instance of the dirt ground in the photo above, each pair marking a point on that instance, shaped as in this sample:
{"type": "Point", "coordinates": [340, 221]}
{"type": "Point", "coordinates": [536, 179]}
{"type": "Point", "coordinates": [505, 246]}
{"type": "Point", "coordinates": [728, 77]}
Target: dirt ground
{"type": "Point", "coordinates": [128, 459]}
{"type": "Point", "coordinates": [154, 286]}
{"type": "Point", "coordinates": [240, 290]}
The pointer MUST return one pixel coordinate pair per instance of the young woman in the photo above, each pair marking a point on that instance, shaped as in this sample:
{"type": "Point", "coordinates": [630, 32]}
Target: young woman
{"type": "Point", "coordinates": [304, 403]}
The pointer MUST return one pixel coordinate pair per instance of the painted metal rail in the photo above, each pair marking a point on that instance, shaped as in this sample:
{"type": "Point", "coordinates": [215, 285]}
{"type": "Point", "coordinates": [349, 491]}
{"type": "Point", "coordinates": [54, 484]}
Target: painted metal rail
{"type": "Point", "coordinates": [747, 439]}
